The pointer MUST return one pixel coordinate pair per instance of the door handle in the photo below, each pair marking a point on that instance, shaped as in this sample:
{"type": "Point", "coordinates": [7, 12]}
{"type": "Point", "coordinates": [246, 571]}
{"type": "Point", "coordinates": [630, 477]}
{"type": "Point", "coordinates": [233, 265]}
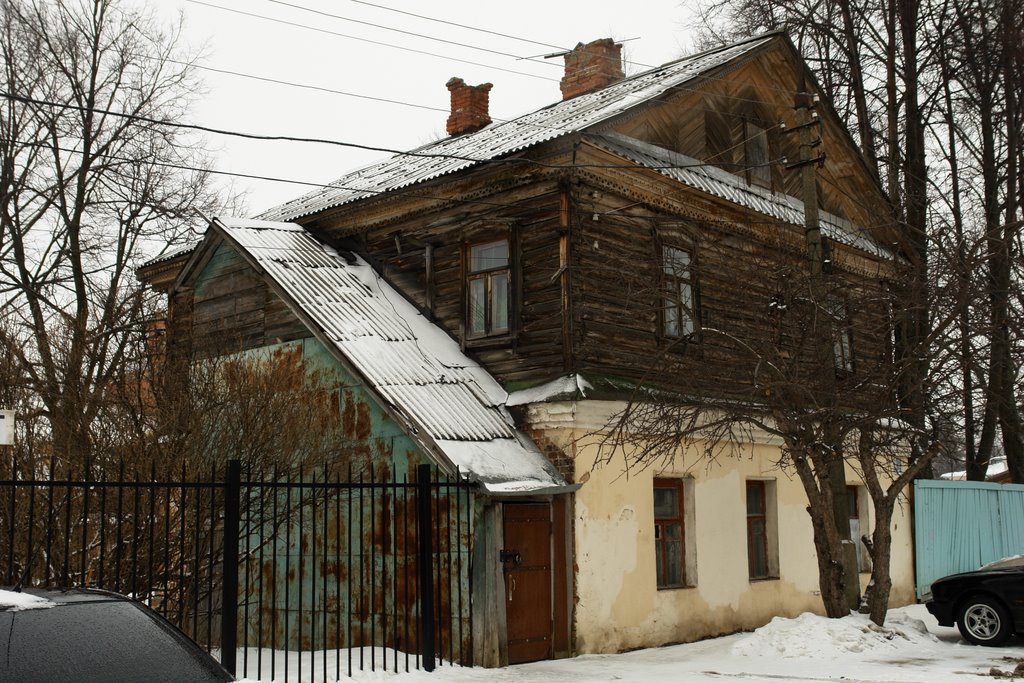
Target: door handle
{"type": "Point", "coordinates": [511, 587]}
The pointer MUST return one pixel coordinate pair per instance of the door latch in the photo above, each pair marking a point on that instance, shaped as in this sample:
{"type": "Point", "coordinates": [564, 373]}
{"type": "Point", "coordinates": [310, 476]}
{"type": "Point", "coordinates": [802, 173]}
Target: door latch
{"type": "Point", "coordinates": [509, 556]}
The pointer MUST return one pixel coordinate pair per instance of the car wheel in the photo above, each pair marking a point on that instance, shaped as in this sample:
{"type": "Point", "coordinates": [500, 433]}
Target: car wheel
{"type": "Point", "coordinates": [983, 620]}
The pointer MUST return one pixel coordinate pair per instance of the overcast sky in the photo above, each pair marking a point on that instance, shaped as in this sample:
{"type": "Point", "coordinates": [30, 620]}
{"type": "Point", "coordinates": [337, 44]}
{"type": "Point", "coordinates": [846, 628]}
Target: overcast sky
{"type": "Point", "coordinates": [300, 42]}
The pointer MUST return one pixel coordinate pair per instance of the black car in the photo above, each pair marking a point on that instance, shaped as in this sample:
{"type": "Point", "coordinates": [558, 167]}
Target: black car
{"type": "Point", "coordinates": [91, 636]}
{"type": "Point", "coordinates": [987, 605]}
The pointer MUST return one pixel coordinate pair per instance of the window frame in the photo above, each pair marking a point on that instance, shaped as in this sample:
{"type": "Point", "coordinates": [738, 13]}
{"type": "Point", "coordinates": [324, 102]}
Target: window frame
{"type": "Point", "coordinates": [660, 523]}
{"type": "Point", "coordinates": [760, 175]}
{"type": "Point", "coordinates": [842, 334]}
{"type": "Point", "coordinates": [668, 295]}
{"type": "Point", "coordinates": [488, 277]}
{"type": "Point", "coordinates": [762, 516]}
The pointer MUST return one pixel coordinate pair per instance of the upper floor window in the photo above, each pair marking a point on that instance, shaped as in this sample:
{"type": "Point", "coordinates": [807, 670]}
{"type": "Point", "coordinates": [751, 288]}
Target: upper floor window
{"type": "Point", "coordinates": [679, 310]}
{"type": "Point", "coordinates": [488, 291]}
{"type": "Point", "coordinates": [842, 334]}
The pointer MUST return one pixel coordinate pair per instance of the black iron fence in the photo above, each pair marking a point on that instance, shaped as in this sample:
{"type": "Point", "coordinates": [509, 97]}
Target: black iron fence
{"type": "Point", "coordinates": [303, 574]}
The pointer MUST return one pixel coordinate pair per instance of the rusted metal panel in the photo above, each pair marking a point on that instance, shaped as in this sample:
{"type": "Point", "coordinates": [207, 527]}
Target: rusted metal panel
{"type": "Point", "coordinates": [338, 569]}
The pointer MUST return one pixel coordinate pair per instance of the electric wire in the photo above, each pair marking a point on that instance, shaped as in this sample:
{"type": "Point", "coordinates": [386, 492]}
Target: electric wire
{"type": "Point", "coordinates": [306, 86]}
{"type": "Point", "coordinates": [723, 78]}
{"type": "Point", "coordinates": [449, 23]}
{"type": "Point", "coordinates": [458, 25]}
{"type": "Point", "coordinates": [407, 33]}
{"type": "Point", "coordinates": [368, 40]}
{"type": "Point", "coordinates": [339, 143]}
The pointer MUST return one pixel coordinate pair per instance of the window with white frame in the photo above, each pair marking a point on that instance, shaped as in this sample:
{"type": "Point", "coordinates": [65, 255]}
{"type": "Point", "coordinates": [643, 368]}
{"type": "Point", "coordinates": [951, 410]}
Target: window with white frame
{"type": "Point", "coordinates": [679, 307]}
{"type": "Point", "coordinates": [488, 289]}
{"type": "Point", "coordinates": [842, 334]}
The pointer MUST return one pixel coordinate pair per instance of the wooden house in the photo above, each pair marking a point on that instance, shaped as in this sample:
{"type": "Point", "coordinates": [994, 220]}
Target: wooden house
{"type": "Point", "coordinates": [551, 260]}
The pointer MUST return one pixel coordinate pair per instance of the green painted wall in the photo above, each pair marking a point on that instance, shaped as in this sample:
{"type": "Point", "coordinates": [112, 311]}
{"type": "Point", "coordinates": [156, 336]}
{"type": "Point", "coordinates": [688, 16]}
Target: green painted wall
{"type": "Point", "coordinates": [962, 525]}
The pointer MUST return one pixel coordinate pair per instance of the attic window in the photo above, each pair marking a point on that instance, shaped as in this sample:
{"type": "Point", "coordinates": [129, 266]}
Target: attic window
{"type": "Point", "coordinates": [759, 172]}
{"type": "Point", "coordinates": [488, 294]}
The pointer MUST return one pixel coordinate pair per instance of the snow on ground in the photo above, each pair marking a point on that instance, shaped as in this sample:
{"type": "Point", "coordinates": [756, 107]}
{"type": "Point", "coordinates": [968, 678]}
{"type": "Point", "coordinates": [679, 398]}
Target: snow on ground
{"type": "Point", "coordinates": [912, 648]}
{"type": "Point", "coordinates": [16, 602]}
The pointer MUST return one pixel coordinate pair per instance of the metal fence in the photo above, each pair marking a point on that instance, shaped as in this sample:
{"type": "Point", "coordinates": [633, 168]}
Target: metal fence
{"type": "Point", "coordinates": [308, 574]}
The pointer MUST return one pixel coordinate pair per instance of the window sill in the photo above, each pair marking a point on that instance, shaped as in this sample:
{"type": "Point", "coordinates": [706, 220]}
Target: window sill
{"type": "Point", "coordinates": [677, 588]}
{"type": "Point", "coordinates": [495, 342]}
{"type": "Point", "coordinates": [762, 579]}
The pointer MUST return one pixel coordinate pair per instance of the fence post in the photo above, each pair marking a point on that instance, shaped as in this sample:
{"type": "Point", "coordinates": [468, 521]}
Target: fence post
{"type": "Point", "coordinates": [229, 590]}
{"type": "Point", "coordinates": [424, 562]}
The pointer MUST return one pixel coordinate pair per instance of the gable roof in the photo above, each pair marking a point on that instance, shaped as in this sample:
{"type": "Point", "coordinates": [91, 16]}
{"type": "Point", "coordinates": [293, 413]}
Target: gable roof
{"type": "Point", "coordinates": [446, 401]}
{"type": "Point", "coordinates": [500, 139]}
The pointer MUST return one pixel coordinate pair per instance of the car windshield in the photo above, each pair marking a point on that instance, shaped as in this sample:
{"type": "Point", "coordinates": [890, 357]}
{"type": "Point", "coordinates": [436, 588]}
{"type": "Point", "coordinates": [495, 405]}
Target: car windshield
{"type": "Point", "coordinates": [106, 640]}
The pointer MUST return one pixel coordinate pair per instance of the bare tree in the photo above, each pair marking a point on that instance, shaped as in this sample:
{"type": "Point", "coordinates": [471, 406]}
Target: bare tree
{"type": "Point", "coordinates": [794, 375]}
{"type": "Point", "coordinates": [933, 89]}
{"type": "Point", "coordinates": [94, 178]}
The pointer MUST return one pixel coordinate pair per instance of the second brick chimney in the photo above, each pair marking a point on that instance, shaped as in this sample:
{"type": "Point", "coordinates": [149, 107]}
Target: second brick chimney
{"type": "Point", "coordinates": [470, 104]}
{"type": "Point", "coordinates": [591, 67]}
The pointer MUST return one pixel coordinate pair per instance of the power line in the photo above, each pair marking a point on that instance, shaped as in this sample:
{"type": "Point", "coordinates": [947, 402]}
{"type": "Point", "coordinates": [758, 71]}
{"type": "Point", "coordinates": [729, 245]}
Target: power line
{"type": "Point", "coordinates": [230, 133]}
{"type": "Point", "coordinates": [367, 40]}
{"type": "Point", "coordinates": [338, 143]}
{"type": "Point", "coordinates": [408, 33]}
{"type": "Point", "coordinates": [481, 30]}
{"type": "Point", "coordinates": [306, 86]}
{"type": "Point", "coordinates": [456, 24]}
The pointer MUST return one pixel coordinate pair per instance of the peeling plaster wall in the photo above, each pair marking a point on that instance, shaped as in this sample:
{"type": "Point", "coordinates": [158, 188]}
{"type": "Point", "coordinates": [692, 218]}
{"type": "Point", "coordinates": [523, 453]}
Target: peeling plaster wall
{"type": "Point", "coordinates": [618, 605]}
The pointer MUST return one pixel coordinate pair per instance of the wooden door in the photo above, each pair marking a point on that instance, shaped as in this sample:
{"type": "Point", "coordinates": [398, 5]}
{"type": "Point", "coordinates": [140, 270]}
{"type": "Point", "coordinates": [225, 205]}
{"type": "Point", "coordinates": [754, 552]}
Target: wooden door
{"type": "Point", "coordinates": [526, 560]}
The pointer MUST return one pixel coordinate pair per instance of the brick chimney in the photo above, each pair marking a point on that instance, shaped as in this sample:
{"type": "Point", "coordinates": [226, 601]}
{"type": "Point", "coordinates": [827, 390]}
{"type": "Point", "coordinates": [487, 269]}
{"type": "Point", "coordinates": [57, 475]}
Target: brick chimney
{"type": "Point", "coordinates": [591, 67]}
{"type": "Point", "coordinates": [469, 106]}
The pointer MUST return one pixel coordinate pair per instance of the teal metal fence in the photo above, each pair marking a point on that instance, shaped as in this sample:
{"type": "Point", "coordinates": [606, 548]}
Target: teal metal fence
{"type": "Point", "coordinates": [961, 525]}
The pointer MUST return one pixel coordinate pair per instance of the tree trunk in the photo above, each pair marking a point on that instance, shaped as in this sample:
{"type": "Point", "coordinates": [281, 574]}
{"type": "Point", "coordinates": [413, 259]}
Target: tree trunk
{"type": "Point", "coordinates": [881, 562]}
{"type": "Point", "coordinates": [828, 546]}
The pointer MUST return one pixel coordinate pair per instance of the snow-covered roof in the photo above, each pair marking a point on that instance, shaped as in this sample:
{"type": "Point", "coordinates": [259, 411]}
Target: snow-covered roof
{"type": "Point", "coordinates": [500, 139]}
{"type": "Point", "coordinates": [557, 389]}
{"type": "Point", "coordinates": [996, 467]}
{"type": "Point", "coordinates": [721, 183]}
{"type": "Point", "coordinates": [410, 363]}
{"type": "Point", "coordinates": [170, 255]}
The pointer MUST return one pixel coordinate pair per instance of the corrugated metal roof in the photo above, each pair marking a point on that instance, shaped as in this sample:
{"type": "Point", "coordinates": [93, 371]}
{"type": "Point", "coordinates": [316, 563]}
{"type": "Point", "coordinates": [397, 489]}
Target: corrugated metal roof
{"type": "Point", "coordinates": [411, 363]}
{"type": "Point", "coordinates": [500, 139]}
{"type": "Point", "coordinates": [721, 183]}
{"type": "Point", "coordinates": [171, 254]}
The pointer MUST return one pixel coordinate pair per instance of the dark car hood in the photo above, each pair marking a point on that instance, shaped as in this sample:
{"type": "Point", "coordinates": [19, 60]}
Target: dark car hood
{"type": "Point", "coordinates": [981, 573]}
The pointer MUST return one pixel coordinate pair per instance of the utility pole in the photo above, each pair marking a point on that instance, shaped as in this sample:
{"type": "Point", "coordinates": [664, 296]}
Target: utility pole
{"type": "Point", "coordinates": [808, 127]}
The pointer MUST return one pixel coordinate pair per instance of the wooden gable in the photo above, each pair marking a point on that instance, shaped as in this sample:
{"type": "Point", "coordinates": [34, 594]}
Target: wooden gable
{"type": "Point", "coordinates": [718, 118]}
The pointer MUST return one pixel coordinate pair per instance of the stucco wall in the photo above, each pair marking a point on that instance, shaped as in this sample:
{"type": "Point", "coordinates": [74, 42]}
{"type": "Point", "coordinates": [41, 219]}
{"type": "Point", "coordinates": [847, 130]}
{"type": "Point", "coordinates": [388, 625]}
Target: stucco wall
{"type": "Point", "coordinates": [618, 604]}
